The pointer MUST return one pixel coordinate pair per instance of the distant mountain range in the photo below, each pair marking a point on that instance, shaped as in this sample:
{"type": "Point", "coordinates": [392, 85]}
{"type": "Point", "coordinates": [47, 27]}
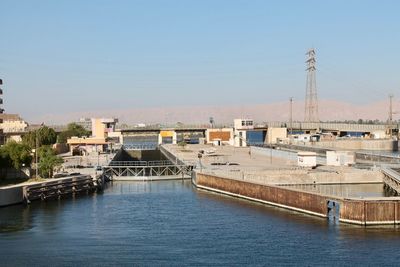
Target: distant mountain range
{"type": "Point", "coordinates": [329, 110]}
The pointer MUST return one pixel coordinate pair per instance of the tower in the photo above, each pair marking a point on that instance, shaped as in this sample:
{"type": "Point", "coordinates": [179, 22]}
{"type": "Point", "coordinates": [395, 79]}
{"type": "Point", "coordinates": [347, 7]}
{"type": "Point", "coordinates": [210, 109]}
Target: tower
{"type": "Point", "coordinates": [311, 103]}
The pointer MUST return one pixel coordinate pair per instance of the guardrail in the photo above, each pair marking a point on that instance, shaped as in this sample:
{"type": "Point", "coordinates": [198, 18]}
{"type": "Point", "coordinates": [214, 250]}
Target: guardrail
{"type": "Point", "coordinates": [141, 163]}
{"type": "Point", "coordinates": [140, 171]}
{"type": "Point", "coordinates": [391, 178]}
{"type": "Point", "coordinates": [140, 146]}
{"type": "Point", "coordinates": [353, 127]}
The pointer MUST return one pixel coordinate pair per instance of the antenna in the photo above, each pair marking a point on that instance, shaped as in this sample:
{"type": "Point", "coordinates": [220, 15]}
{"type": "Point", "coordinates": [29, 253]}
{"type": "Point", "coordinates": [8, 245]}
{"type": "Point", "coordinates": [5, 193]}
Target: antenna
{"type": "Point", "coordinates": [311, 103]}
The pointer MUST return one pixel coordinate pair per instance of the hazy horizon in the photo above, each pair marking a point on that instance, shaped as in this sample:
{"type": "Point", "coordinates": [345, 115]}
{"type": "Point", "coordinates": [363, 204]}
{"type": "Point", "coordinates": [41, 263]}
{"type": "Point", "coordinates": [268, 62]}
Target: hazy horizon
{"type": "Point", "coordinates": [329, 110]}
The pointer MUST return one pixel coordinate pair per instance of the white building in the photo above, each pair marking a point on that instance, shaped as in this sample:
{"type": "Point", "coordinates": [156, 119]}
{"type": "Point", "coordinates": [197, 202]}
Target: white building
{"type": "Point", "coordinates": [240, 128]}
{"type": "Point", "coordinates": [306, 159]}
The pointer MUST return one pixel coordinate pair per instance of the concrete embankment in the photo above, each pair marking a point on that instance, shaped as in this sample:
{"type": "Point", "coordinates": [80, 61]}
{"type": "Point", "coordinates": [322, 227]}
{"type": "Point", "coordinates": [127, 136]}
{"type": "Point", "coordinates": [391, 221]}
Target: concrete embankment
{"type": "Point", "coordinates": [298, 176]}
{"type": "Point", "coordinates": [26, 192]}
{"type": "Point", "coordinates": [369, 211]}
{"type": "Point", "coordinates": [346, 144]}
{"type": "Point", "coordinates": [290, 152]}
{"type": "Point", "coordinates": [360, 144]}
{"type": "Point", "coordinates": [11, 195]}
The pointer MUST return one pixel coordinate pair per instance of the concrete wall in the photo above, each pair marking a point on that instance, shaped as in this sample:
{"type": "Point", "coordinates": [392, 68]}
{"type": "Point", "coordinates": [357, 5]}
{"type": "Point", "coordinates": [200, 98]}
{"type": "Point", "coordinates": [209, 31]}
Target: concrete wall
{"type": "Point", "coordinates": [340, 158]}
{"type": "Point", "coordinates": [358, 144]}
{"type": "Point", "coordinates": [10, 195]}
{"type": "Point", "coordinates": [11, 173]}
{"type": "Point", "coordinates": [273, 134]}
{"type": "Point", "coordinates": [300, 176]}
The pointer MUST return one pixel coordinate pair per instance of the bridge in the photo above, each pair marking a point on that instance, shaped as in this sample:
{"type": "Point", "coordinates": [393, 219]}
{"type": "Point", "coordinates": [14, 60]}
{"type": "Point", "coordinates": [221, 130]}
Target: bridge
{"type": "Point", "coordinates": [149, 146]}
{"type": "Point", "coordinates": [149, 169]}
{"type": "Point", "coordinates": [299, 126]}
{"type": "Point", "coordinates": [332, 126]}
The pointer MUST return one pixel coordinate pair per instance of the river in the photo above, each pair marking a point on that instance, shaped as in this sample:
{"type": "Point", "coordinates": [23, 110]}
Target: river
{"type": "Point", "coordinates": [173, 224]}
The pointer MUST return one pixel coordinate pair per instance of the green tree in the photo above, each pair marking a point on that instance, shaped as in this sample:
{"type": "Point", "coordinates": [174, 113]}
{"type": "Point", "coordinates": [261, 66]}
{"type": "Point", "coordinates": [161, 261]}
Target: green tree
{"type": "Point", "coordinates": [5, 160]}
{"type": "Point", "coordinates": [45, 135]}
{"type": "Point", "coordinates": [15, 155]}
{"type": "Point", "coordinates": [73, 129]}
{"type": "Point", "coordinates": [182, 144]}
{"type": "Point", "coordinates": [48, 161]}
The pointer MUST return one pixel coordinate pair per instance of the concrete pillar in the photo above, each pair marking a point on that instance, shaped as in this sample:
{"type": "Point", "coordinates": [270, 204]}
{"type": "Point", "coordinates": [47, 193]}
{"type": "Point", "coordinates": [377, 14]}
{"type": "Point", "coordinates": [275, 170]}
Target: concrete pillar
{"type": "Point", "coordinates": [174, 138]}
{"type": "Point", "coordinates": [159, 139]}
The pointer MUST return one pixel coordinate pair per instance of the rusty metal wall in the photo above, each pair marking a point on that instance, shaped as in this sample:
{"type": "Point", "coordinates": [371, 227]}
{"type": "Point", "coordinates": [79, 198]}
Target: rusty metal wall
{"type": "Point", "coordinates": [361, 211]}
{"type": "Point", "coordinates": [380, 211]}
{"type": "Point", "coordinates": [282, 196]}
{"type": "Point", "coordinates": [352, 210]}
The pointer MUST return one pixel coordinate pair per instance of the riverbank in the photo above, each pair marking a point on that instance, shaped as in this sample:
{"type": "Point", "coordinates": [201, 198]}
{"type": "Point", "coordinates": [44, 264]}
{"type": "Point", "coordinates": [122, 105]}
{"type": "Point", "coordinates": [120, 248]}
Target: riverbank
{"type": "Point", "coordinates": [44, 189]}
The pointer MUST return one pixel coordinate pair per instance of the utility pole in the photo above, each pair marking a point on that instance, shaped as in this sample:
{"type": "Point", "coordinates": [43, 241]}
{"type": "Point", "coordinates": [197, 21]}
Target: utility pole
{"type": "Point", "coordinates": [391, 113]}
{"type": "Point", "coordinates": [2, 136]}
{"type": "Point", "coordinates": [291, 116]}
{"type": "Point", "coordinates": [311, 101]}
{"type": "Point", "coordinates": [391, 108]}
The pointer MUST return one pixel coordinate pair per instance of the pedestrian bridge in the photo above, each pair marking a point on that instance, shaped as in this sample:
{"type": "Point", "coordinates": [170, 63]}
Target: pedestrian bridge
{"type": "Point", "coordinates": [160, 168]}
{"type": "Point", "coordinates": [140, 146]}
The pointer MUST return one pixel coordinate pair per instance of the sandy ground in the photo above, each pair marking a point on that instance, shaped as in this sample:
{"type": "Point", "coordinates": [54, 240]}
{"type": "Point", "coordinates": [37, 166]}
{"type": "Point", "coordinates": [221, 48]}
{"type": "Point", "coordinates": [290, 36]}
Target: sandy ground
{"type": "Point", "coordinates": [228, 154]}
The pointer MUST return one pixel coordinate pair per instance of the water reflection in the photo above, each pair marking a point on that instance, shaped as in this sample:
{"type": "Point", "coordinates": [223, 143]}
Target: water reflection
{"type": "Point", "coordinates": [172, 223]}
{"type": "Point", "coordinates": [15, 218]}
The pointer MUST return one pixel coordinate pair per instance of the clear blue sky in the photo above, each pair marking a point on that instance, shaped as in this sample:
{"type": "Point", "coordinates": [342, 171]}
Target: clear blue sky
{"type": "Point", "coordinates": [56, 56]}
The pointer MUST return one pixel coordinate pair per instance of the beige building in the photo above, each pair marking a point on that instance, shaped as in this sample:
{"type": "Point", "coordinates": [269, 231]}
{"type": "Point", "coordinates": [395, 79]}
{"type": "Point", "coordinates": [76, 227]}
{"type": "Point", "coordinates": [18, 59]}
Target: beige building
{"type": "Point", "coordinates": [12, 123]}
{"type": "Point", "coordinates": [102, 129]}
{"type": "Point", "coordinates": [274, 135]}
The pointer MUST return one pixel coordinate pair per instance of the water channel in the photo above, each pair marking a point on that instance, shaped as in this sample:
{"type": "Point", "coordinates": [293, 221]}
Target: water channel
{"type": "Point", "coordinates": [171, 223]}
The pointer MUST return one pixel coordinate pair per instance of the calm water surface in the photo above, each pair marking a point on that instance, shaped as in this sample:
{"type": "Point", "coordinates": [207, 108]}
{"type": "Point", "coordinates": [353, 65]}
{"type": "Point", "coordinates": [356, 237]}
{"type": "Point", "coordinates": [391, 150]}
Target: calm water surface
{"type": "Point", "coordinates": [170, 223]}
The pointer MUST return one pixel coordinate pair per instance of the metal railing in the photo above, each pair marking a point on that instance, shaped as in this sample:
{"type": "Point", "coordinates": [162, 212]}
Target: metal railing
{"type": "Point", "coordinates": [351, 127]}
{"type": "Point", "coordinates": [140, 171]}
{"type": "Point", "coordinates": [391, 178]}
{"type": "Point", "coordinates": [140, 146]}
{"type": "Point", "coordinates": [141, 163]}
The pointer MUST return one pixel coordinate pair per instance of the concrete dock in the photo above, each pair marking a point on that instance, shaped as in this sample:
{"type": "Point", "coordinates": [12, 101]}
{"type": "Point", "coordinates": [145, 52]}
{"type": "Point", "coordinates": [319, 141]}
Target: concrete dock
{"type": "Point", "coordinates": [243, 163]}
{"type": "Point", "coordinates": [257, 177]}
